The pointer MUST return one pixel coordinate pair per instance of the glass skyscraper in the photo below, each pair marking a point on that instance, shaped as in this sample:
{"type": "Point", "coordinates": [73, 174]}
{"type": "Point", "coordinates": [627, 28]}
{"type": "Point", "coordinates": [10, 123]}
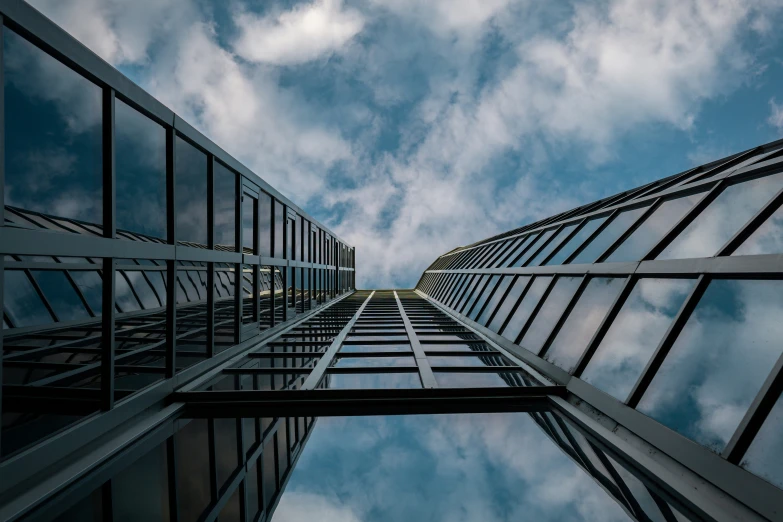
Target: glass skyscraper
{"type": "Point", "coordinates": [175, 332]}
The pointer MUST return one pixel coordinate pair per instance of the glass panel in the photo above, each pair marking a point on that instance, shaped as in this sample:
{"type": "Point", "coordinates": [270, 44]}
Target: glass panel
{"type": "Point", "coordinates": [723, 218]}
{"type": "Point", "coordinates": [609, 235]}
{"type": "Point", "coordinates": [635, 333]}
{"type": "Point", "coordinates": [439, 467]}
{"type": "Point", "coordinates": [583, 321]}
{"type": "Point", "coordinates": [146, 479]}
{"type": "Point", "coordinates": [519, 247]}
{"type": "Point", "coordinates": [91, 286]}
{"type": "Point", "coordinates": [191, 193]}
{"type": "Point", "coordinates": [373, 362]}
{"type": "Point", "coordinates": [231, 511]}
{"type": "Point", "coordinates": [477, 290]}
{"type": "Point", "coordinates": [52, 135]}
{"type": "Point", "coordinates": [61, 295]}
{"type": "Point", "coordinates": [469, 360]}
{"type": "Point", "coordinates": [482, 379]}
{"type": "Point", "coordinates": [719, 361]}
{"type": "Point", "coordinates": [526, 307]}
{"type": "Point", "coordinates": [653, 228]}
{"type": "Point", "coordinates": [765, 455]}
{"type": "Point", "coordinates": [140, 165]}
{"type": "Point", "coordinates": [540, 240]}
{"type": "Point", "coordinates": [508, 303]}
{"type": "Point", "coordinates": [226, 450]}
{"type": "Point", "coordinates": [265, 224]}
{"type": "Point", "coordinates": [500, 290]}
{"type": "Point", "coordinates": [373, 381]}
{"type": "Point", "coordinates": [550, 313]}
{"type": "Point", "coordinates": [225, 208]}
{"type": "Point", "coordinates": [552, 246]}
{"type": "Point", "coordinates": [767, 239]}
{"type": "Point", "coordinates": [279, 228]}
{"type": "Point", "coordinates": [192, 449]}
{"type": "Point", "coordinates": [639, 492]}
{"type": "Point", "coordinates": [576, 241]}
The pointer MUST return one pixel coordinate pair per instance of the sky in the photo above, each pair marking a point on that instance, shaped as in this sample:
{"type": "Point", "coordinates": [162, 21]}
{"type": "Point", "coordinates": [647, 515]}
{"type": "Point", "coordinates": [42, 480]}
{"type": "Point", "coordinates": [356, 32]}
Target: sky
{"type": "Point", "coordinates": [411, 128]}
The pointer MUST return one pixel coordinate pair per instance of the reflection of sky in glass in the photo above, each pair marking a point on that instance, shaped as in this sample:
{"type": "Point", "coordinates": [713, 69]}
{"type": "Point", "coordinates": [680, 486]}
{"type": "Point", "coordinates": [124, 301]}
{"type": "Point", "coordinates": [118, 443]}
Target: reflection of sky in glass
{"type": "Point", "coordinates": [556, 242]}
{"type": "Point", "coordinates": [468, 360]}
{"type": "Point", "coordinates": [652, 229]}
{"type": "Point", "coordinates": [61, 295]}
{"type": "Point", "coordinates": [373, 362]}
{"type": "Point", "coordinates": [191, 192]}
{"type": "Point", "coordinates": [509, 257]}
{"type": "Point", "coordinates": [500, 290]}
{"type": "Point", "coordinates": [140, 164]}
{"type": "Point", "coordinates": [765, 455]}
{"type": "Point", "coordinates": [540, 240]}
{"type": "Point", "coordinates": [723, 218]}
{"type": "Point", "coordinates": [639, 492]}
{"type": "Point", "coordinates": [525, 308]}
{"type": "Point", "coordinates": [21, 302]}
{"type": "Point", "coordinates": [574, 243]}
{"type": "Point", "coordinates": [767, 239]}
{"type": "Point", "coordinates": [550, 312]}
{"type": "Point", "coordinates": [373, 381]}
{"type": "Point", "coordinates": [609, 235]}
{"type": "Point", "coordinates": [482, 299]}
{"type": "Point", "coordinates": [53, 135]}
{"type": "Point", "coordinates": [719, 361]}
{"type": "Point", "coordinates": [225, 206]}
{"type": "Point", "coordinates": [634, 334]}
{"type": "Point", "coordinates": [442, 467]}
{"type": "Point", "coordinates": [583, 321]}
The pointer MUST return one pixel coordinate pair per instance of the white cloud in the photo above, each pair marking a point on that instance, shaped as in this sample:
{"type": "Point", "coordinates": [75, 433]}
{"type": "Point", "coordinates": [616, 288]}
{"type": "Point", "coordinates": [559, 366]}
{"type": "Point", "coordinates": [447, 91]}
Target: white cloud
{"type": "Point", "coordinates": [305, 33]}
{"type": "Point", "coordinates": [776, 115]}
{"type": "Point", "coordinates": [296, 506]}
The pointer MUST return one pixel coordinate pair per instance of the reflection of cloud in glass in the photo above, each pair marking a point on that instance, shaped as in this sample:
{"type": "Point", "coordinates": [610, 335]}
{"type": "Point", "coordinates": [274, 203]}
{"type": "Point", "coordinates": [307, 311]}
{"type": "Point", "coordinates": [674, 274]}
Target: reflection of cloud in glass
{"type": "Point", "coordinates": [370, 381]}
{"type": "Point", "coordinates": [550, 312]}
{"type": "Point", "coordinates": [583, 321]}
{"type": "Point", "coordinates": [767, 239]}
{"type": "Point", "coordinates": [609, 235]}
{"type": "Point", "coordinates": [493, 467]}
{"type": "Point", "coordinates": [634, 334]}
{"type": "Point", "coordinates": [719, 361]}
{"type": "Point", "coordinates": [722, 218]}
{"type": "Point", "coordinates": [191, 193]}
{"type": "Point", "coordinates": [765, 455]}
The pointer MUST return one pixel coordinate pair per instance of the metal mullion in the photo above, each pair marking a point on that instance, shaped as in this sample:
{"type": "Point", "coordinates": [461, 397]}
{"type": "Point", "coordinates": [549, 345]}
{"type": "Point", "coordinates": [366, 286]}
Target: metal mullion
{"type": "Point", "coordinates": [606, 323]}
{"type": "Point", "coordinates": [454, 289]}
{"type": "Point", "coordinates": [326, 360]}
{"type": "Point", "coordinates": [757, 413]}
{"type": "Point", "coordinates": [534, 313]}
{"type": "Point", "coordinates": [210, 297]}
{"type": "Point", "coordinates": [752, 225]}
{"type": "Point", "coordinates": [685, 220]}
{"type": "Point", "coordinates": [41, 295]}
{"type": "Point", "coordinates": [564, 316]}
{"type": "Point", "coordinates": [631, 501]}
{"type": "Point", "coordinates": [109, 264]}
{"type": "Point", "coordinates": [211, 450]}
{"type": "Point", "coordinates": [532, 238]}
{"type": "Point", "coordinates": [662, 350]}
{"type": "Point", "coordinates": [470, 293]}
{"type": "Point", "coordinates": [132, 289]}
{"type": "Point", "coordinates": [610, 217]}
{"type": "Point", "coordinates": [727, 166]}
{"type": "Point", "coordinates": [463, 291]}
{"type": "Point", "coordinates": [630, 230]}
{"type": "Point", "coordinates": [444, 284]}
{"type": "Point", "coordinates": [422, 363]}
{"type": "Point", "coordinates": [565, 241]}
{"type": "Point", "coordinates": [504, 296]}
{"type": "Point", "coordinates": [486, 254]}
{"type": "Point", "coordinates": [541, 248]}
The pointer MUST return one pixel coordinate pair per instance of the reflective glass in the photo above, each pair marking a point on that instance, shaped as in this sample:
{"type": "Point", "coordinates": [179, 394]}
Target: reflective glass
{"type": "Point", "coordinates": [723, 218]}
{"type": "Point", "coordinates": [583, 321]}
{"type": "Point", "coordinates": [372, 381]}
{"type": "Point", "coordinates": [142, 289]}
{"type": "Point", "coordinates": [534, 246]}
{"type": "Point", "coordinates": [456, 347]}
{"type": "Point", "coordinates": [552, 246]}
{"type": "Point", "coordinates": [482, 379]}
{"type": "Point", "coordinates": [767, 239]}
{"type": "Point", "coordinates": [191, 193]}
{"type": "Point", "coordinates": [639, 491]}
{"type": "Point", "coordinates": [440, 468]}
{"type": "Point", "coordinates": [652, 229]}
{"type": "Point", "coordinates": [508, 303]}
{"type": "Point", "coordinates": [265, 224]}
{"type": "Point", "coordinates": [192, 458]}
{"type": "Point", "coordinates": [21, 302]}
{"type": "Point", "coordinates": [225, 208]}
{"type": "Point", "coordinates": [53, 139]}
{"type": "Point", "coordinates": [550, 313]}
{"type": "Point", "coordinates": [634, 334]}
{"type": "Point", "coordinates": [477, 290]}
{"type": "Point", "coordinates": [358, 348]}
{"type": "Point", "coordinates": [516, 250]}
{"type": "Point", "coordinates": [607, 236]}
{"type": "Point", "coordinates": [719, 361]}
{"type": "Point", "coordinates": [140, 170]}
{"type": "Point", "coordinates": [526, 307]}
{"type": "Point", "coordinates": [146, 478]}
{"type": "Point", "coordinates": [497, 295]}
{"type": "Point", "coordinates": [468, 360]}
{"type": "Point", "coordinates": [373, 362]}
{"type": "Point", "coordinates": [61, 295]}
{"type": "Point", "coordinates": [765, 454]}
{"type": "Point", "coordinates": [575, 242]}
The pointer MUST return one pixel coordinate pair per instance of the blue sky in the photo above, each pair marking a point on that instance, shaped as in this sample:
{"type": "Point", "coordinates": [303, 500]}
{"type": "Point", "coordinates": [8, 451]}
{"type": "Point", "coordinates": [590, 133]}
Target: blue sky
{"type": "Point", "coordinates": [411, 128]}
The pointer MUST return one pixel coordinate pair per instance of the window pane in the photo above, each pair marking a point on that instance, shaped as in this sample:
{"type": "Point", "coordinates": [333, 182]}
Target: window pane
{"type": "Point", "coordinates": [265, 224]}
{"type": "Point", "coordinates": [373, 362]}
{"type": "Point", "coordinates": [508, 302]}
{"type": "Point", "coordinates": [469, 360]}
{"type": "Point", "coordinates": [61, 295]}
{"type": "Point", "coordinates": [483, 379]}
{"type": "Point", "coordinates": [52, 135]}
{"type": "Point", "coordinates": [583, 321]}
{"type": "Point", "coordinates": [723, 218]}
{"type": "Point", "coordinates": [576, 241]}
{"type": "Point", "coordinates": [526, 307]}
{"type": "Point", "coordinates": [373, 381]}
{"type": "Point", "coordinates": [767, 239]}
{"type": "Point", "coordinates": [765, 455]}
{"type": "Point", "coordinates": [639, 492]}
{"type": "Point", "coordinates": [192, 449]}
{"type": "Point", "coordinates": [191, 193]}
{"type": "Point", "coordinates": [21, 302]}
{"type": "Point", "coordinates": [535, 245]}
{"type": "Point", "coordinates": [719, 361]}
{"type": "Point", "coordinates": [141, 491]}
{"type": "Point", "coordinates": [516, 250]}
{"type": "Point", "coordinates": [653, 228]}
{"type": "Point", "coordinates": [225, 208]}
{"type": "Point", "coordinates": [635, 333]}
{"type": "Point", "coordinates": [609, 235]}
{"type": "Point", "coordinates": [552, 246]}
{"type": "Point", "coordinates": [500, 290]}
{"type": "Point", "coordinates": [140, 165]}
{"type": "Point", "coordinates": [547, 317]}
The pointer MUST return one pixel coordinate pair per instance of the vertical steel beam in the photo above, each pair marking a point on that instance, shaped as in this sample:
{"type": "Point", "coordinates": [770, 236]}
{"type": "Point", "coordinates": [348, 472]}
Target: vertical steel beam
{"type": "Point", "coordinates": [171, 265]}
{"type": "Point", "coordinates": [109, 264]}
{"type": "Point", "coordinates": [425, 371]}
{"type": "Point", "coordinates": [210, 265]}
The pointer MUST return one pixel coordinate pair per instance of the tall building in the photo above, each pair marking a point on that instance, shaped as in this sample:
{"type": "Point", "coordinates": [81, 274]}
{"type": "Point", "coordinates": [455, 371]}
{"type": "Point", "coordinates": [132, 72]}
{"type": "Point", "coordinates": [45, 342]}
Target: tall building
{"type": "Point", "coordinates": [173, 327]}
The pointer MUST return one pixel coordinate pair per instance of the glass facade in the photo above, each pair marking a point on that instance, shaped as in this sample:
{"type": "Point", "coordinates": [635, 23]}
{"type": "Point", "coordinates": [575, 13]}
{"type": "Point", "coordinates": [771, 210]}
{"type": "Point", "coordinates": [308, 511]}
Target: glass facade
{"type": "Point", "coordinates": [182, 342]}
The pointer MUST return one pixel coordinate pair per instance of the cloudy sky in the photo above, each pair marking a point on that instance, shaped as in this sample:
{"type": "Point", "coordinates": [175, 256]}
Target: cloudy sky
{"type": "Point", "coordinates": [411, 128]}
